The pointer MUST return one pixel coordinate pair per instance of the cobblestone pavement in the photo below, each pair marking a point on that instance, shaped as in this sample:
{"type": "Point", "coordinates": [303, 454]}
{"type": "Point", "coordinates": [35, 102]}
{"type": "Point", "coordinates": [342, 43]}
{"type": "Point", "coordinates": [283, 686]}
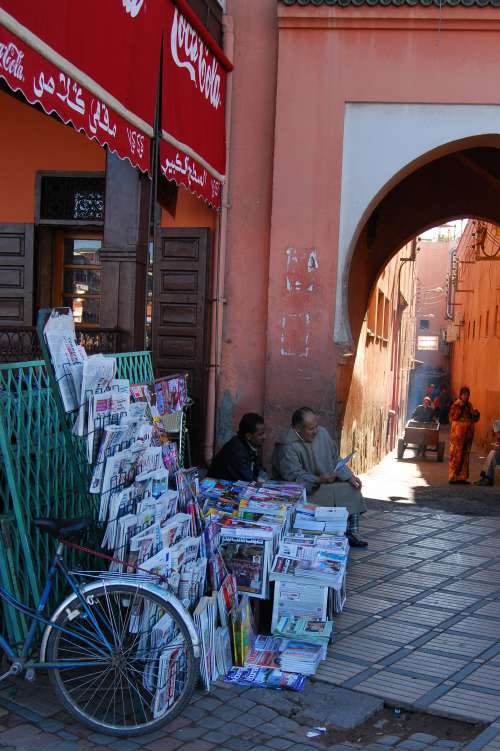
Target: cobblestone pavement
{"type": "Point", "coordinates": [231, 718]}
{"type": "Point", "coordinates": [420, 631]}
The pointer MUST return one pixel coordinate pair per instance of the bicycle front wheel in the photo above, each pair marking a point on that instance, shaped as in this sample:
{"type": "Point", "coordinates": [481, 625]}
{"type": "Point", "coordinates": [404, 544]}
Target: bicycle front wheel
{"type": "Point", "coordinates": [124, 662]}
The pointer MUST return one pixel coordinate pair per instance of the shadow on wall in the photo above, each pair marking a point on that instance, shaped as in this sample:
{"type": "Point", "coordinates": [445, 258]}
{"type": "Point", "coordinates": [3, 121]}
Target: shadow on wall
{"type": "Point", "coordinates": [369, 440]}
{"type": "Point", "coordinates": [225, 420]}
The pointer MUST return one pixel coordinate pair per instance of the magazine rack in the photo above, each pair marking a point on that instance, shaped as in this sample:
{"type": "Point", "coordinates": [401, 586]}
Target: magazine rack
{"type": "Point", "coordinates": [176, 425]}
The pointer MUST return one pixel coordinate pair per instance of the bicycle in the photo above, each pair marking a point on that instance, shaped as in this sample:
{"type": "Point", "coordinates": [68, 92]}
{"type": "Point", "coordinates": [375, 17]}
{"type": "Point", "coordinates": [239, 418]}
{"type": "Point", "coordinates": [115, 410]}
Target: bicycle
{"type": "Point", "coordinates": [122, 653]}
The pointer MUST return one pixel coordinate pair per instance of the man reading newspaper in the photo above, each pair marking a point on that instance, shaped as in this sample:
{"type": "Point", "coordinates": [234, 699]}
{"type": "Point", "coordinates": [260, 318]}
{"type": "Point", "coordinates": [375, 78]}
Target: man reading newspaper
{"type": "Point", "coordinates": [307, 453]}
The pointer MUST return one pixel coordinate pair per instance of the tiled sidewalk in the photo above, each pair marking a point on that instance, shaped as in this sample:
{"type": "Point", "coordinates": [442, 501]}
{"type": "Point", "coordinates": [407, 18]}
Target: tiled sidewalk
{"type": "Point", "coordinates": [420, 631]}
{"type": "Point", "coordinates": [421, 628]}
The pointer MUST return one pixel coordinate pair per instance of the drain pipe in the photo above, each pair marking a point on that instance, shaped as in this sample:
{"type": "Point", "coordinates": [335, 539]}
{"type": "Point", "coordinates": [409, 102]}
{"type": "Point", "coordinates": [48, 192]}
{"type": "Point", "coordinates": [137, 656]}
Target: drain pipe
{"type": "Point", "coordinates": [451, 285]}
{"type": "Point", "coordinates": [217, 300]}
{"type": "Point", "coordinates": [396, 381]}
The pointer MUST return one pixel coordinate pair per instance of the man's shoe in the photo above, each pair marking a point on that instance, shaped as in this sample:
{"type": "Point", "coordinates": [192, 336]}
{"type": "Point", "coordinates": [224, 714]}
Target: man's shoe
{"type": "Point", "coordinates": [484, 482]}
{"type": "Point", "coordinates": [356, 542]}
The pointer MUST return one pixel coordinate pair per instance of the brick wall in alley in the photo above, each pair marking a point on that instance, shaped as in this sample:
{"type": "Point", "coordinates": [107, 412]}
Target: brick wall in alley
{"type": "Point", "coordinates": [377, 404]}
{"type": "Point", "coordinates": [475, 301]}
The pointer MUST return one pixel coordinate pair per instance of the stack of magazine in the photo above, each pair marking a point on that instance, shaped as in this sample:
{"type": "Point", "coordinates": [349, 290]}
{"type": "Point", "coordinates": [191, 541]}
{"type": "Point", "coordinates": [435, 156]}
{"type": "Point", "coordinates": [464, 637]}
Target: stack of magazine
{"type": "Point", "coordinates": [301, 657]}
{"type": "Point", "coordinates": [314, 632]}
{"type": "Point", "coordinates": [320, 560]}
{"type": "Point", "coordinates": [252, 519]}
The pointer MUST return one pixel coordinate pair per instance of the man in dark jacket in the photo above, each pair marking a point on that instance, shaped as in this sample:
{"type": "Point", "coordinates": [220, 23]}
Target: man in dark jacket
{"type": "Point", "coordinates": [424, 412]}
{"type": "Point", "coordinates": [241, 457]}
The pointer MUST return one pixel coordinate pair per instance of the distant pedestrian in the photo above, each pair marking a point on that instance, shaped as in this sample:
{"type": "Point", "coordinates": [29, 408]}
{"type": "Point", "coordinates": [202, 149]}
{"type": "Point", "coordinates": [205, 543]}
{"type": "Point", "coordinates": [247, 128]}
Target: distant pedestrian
{"type": "Point", "coordinates": [441, 406]}
{"type": "Point", "coordinates": [462, 418]}
{"type": "Point", "coordinates": [435, 392]}
{"type": "Point", "coordinates": [424, 412]}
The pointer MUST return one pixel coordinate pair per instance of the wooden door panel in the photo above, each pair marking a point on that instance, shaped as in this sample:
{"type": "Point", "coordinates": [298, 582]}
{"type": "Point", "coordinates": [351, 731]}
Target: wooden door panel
{"type": "Point", "coordinates": [179, 281]}
{"type": "Point", "coordinates": [180, 314]}
{"type": "Point", "coordinates": [16, 275]}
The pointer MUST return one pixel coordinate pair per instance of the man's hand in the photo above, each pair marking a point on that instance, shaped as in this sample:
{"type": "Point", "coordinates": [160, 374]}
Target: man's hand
{"type": "Point", "coordinates": [355, 482]}
{"type": "Point", "coordinates": [327, 479]}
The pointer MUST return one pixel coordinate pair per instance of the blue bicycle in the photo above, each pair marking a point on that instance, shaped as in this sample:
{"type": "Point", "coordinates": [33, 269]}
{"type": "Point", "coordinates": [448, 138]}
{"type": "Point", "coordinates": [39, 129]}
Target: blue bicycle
{"type": "Point", "coordinates": [122, 653]}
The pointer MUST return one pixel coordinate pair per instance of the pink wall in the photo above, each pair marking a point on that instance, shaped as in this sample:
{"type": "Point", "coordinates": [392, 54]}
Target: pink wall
{"type": "Point", "coordinates": [243, 362]}
{"type": "Point", "coordinates": [328, 56]}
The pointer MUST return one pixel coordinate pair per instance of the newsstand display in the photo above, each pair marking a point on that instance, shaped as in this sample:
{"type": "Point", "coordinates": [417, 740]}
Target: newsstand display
{"type": "Point", "coordinates": [218, 547]}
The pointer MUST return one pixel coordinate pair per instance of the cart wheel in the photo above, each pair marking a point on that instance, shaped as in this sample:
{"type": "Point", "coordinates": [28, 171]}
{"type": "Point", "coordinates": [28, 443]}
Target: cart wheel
{"type": "Point", "coordinates": [401, 448]}
{"type": "Point", "coordinates": [440, 451]}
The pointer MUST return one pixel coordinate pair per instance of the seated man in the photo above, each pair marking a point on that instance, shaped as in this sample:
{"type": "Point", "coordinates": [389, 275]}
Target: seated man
{"type": "Point", "coordinates": [424, 412]}
{"type": "Point", "coordinates": [492, 460]}
{"type": "Point", "coordinates": [306, 453]}
{"type": "Point", "coordinates": [241, 457]}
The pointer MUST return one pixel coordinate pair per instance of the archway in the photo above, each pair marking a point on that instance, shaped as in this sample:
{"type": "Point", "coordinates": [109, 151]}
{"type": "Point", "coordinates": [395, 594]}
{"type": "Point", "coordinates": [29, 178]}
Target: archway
{"type": "Point", "coordinates": [463, 183]}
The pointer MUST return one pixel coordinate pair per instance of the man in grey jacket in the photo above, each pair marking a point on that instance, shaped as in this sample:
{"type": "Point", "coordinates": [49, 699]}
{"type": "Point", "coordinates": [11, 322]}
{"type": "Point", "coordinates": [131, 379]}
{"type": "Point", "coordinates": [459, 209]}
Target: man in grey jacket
{"type": "Point", "coordinates": [307, 453]}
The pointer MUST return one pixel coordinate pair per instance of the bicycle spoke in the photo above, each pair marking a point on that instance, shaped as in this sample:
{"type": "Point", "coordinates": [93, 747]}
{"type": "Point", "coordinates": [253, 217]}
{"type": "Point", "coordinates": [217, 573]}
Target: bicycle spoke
{"type": "Point", "coordinates": [146, 671]}
{"type": "Point", "coordinates": [98, 676]}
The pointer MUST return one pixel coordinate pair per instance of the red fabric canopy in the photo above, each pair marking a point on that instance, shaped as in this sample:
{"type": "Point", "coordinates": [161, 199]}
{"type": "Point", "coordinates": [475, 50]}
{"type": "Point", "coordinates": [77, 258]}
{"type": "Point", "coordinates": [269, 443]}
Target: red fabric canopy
{"type": "Point", "coordinates": [94, 63]}
{"type": "Point", "coordinates": [193, 144]}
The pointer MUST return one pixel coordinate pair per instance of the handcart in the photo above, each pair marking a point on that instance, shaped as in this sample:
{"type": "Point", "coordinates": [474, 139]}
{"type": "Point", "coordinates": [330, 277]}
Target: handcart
{"type": "Point", "coordinates": [422, 436]}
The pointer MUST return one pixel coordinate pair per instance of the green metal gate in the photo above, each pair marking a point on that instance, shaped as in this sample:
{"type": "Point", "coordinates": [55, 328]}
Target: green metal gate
{"type": "Point", "coordinates": [42, 473]}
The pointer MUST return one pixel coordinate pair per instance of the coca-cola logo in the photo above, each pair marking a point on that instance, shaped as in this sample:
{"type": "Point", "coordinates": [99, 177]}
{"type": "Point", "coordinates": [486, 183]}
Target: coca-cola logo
{"type": "Point", "coordinates": [189, 52]}
{"type": "Point", "coordinates": [11, 60]}
{"type": "Point", "coordinates": [133, 6]}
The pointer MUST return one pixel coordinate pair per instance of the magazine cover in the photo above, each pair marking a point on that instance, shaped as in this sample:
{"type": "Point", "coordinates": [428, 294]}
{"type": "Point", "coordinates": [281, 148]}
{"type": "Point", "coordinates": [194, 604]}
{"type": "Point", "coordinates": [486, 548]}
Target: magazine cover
{"type": "Point", "coordinates": [266, 678]}
{"type": "Point", "coordinates": [247, 559]}
{"type": "Point", "coordinates": [227, 598]}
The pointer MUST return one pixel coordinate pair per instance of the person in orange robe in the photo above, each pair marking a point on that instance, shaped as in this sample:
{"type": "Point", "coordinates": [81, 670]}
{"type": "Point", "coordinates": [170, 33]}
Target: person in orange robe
{"type": "Point", "coordinates": [462, 419]}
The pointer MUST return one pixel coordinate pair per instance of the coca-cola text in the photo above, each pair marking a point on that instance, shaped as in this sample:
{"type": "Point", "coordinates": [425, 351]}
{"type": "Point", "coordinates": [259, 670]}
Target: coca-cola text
{"type": "Point", "coordinates": [11, 59]}
{"type": "Point", "coordinates": [189, 52]}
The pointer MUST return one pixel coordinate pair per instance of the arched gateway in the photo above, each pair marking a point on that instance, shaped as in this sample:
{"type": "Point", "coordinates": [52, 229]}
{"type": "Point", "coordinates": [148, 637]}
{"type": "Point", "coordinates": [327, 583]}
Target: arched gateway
{"type": "Point", "coordinates": [387, 122]}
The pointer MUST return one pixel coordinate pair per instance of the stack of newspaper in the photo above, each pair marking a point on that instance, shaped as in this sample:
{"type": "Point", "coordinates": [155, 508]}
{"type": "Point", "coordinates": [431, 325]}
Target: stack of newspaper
{"type": "Point", "coordinates": [301, 657]}
{"type": "Point", "coordinates": [204, 617]}
{"type": "Point", "coordinates": [295, 600]}
{"type": "Point", "coordinates": [289, 655]}
{"type": "Point", "coordinates": [313, 519]}
{"type": "Point", "coordinates": [303, 630]}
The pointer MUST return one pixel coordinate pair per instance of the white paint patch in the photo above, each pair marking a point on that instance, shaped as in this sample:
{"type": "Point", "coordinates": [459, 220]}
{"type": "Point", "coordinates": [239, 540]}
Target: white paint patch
{"type": "Point", "coordinates": [296, 266]}
{"type": "Point", "coordinates": [312, 261]}
{"type": "Point", "coordinates": [295, 335]}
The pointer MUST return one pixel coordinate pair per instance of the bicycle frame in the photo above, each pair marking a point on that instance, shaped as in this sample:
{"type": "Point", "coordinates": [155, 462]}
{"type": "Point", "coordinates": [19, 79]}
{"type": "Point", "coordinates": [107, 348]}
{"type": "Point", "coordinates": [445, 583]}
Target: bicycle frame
{"type": "Point", "coordinates": [36, 615]}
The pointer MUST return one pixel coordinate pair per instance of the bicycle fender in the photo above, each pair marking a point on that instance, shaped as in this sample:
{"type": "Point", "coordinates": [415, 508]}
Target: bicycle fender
{"type": "Point", "coordinates": [151, 588]}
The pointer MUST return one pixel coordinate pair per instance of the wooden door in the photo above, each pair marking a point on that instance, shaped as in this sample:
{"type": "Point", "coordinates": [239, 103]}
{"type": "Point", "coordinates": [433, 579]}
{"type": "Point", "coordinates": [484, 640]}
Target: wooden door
{"type": "Point", "coordinates": [16, 275]}
{"type": "Point", "coordinates": [180, 316]}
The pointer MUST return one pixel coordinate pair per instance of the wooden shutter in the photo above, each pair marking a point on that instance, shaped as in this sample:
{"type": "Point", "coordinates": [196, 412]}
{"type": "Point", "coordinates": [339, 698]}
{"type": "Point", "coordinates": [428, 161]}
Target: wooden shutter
{"type": "Point", "coordinates": [180, 322]}
{"type": "Point", "coordinates": [16, 275]}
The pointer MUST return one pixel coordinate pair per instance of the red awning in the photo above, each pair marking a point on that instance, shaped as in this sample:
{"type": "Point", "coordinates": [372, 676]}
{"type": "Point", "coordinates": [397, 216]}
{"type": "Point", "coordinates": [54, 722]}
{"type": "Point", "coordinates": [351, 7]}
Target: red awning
{"type": "Point", "coordinates": [94, 63]}
{"type": "Point", "coordinates": [193, 143]}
